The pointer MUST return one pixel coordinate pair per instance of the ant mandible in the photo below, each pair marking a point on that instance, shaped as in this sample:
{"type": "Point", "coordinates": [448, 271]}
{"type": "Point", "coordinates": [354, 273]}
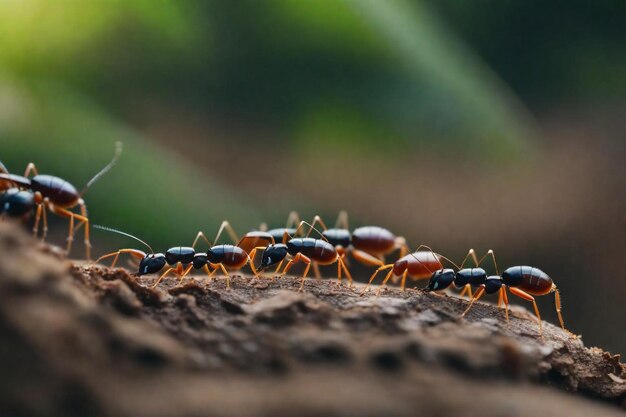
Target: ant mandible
{"type": "Point", "coordinates": [54, 194]}
{"type": "Point", "coordinates": [522, 281]}
{"type": "Point", "coordinates": [306, 250]}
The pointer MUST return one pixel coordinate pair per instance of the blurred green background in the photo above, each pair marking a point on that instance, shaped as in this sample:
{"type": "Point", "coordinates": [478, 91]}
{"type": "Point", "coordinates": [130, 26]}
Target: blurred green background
{"type": "Point", "coordinates": [493, 124]}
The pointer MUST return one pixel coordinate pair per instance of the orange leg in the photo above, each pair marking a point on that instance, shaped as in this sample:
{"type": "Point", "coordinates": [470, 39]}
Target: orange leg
{"type": "Point", "coordinates": [37, 219]}
{"type": "Point", "coordinates": [60, 211]}
{"type": "Point", "coordinates": [184, 274]}
{"type": "Point", "coordinates": [316, 220]}
{"type": "Point", "coordinates": [381, 268]}
{"type": "Point", "coordinates": [342, 266]}
{"type": "Point", "coordinates": [299, 257]}
{"type": "Point", "coordinates": [557, 303]}
{"type": "Point", "coordinates": [479, 293]}
{"type": "Point", "coordinates": [365, 258]}
{"type": "Point", "coordinates": [342, 220]}
{"type": "Point", "coordinates": [403, 282]}
{"type": "Point", "coordinates": [229, 229]}
{"type": "Point", "coordinates": [467, 288]}
{"type": "Point", "coordinates": [226, 274]}
{"type": "Point", "coordinates": [505, 298]}
{"type": "Point", "coordinates": [198, 236]}
{"type": "Point", "coordinates": [389, 275]}
{"type": "Point", "coordinates": [292, 220]}
{"type": "Point", "coordinates": [528, 297]}
{"type": "Point", "coordinates": [178, 270]}
{"type": "Point", "coordinates": [30, 168]}
{"type": "Point", "coordinates": [133, 252]}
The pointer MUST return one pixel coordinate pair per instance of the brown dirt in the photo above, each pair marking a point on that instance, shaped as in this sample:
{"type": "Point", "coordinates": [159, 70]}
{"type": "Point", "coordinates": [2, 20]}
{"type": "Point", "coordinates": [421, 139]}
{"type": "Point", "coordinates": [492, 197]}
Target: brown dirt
{"type": "Point", "coordinates": [81, 340]}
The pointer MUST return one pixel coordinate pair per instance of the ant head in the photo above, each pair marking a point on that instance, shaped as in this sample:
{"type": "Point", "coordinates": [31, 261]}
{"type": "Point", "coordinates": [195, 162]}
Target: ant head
{"type": "Point", "coordinates": [151, 263]}
{"type": "Point", "coordinates": [440, 280]}
{"type": "Point", "coordinates": [272, 255]}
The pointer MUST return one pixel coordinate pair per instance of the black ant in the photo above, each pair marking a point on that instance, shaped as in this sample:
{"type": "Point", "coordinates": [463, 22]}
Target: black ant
{"type": "Point", "coordinates": [182, 259]}
{"type": "Point", "coordinates": [306, 250]}
{"type": "Point", "coordinates": [523, 281]}
{"type": "Point", "coordinates": [54, 194]}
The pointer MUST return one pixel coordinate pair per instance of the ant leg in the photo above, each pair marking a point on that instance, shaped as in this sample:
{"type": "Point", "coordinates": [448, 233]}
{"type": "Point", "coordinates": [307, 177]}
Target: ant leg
{"type": "Point", "coordinates": [505, 298]}
{"type": "Point", "coordinates": [467, 288]}
{"type": "Point", "coordinates": [366, 258]}
{"type": "Point", "coordinates": [557, 303]}
{"type": "Point", "coordinates": [37, 220]}
{"type": "Point", "coordinates": [400, 243]}
{"type": "Point", "coordinates": [403, 282]}
{"type": "Point", "coordinates": [206, 269]}
{"type": "Point", "coordinates": [60, 211]}
{"type": "Point", "coordinates": [184, 274]}
{"type": "Point", "coordinates": [389, 274]}
{"type": "Point", "coordinates": [162, 276]}
{"type": "Point", "coordinates": [299, 257]}
{"type": "Point", "coordinates": [346, 271]}
{"type": "Point", "coordinates": [317, 219]}
{"type": "Point", "coordinates": [500, 298]}
{"type": "Point", "coordinates": [477, 296]}
{"type": "Point", "coordinates": [223, 268]}
{"type": "Point", "coordinates": [30, 168]}
{"type": "Point", "coordinates": [493, 257]}
{"type": "Point", "coordinates": [292, 220]}
{"type": "Point", "coordinates": [528, 297]}
{"type": "Point", "coordinates": [198, 236]}
{"type": "Point", "coordinates": [229, 229]}
{"type": "Point", "coordinates": [133, 252]}
{"type": "Point", "coordinates": [471, 253]}
{"type": "Point", "coordinates": [342, 220]}
{"type": "Point", "coordinates": [381, 268]}
{"type": "Point", "coordinates": [311, 228]}
{"type": "Point", "coordinates": [251, 256]}
{"type": "Point", "coordinates": [316, 271]}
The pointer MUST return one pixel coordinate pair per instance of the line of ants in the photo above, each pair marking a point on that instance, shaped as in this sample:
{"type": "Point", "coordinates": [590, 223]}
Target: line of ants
{"type": "Point", "coordinates": [23, 195]}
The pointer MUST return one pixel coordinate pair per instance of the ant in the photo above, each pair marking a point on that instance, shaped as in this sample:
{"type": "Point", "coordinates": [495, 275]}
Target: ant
{"type": "Point", "coordinates": [14, 202]}
{"type": "Point", "coordinates": [306, 250]}
{"type": "Point", "coordinates": [523, 281]}
{"type": "Point", "coordinates": [181, 259]}
{"type": "Point", "coordinates": [367, 244]}
{"type": "Point", "coordinates": [54, 194]}
{"type": "Point", "coordinates": [466, 278]}
{"type": "Point", "coordinates": [417, 265]}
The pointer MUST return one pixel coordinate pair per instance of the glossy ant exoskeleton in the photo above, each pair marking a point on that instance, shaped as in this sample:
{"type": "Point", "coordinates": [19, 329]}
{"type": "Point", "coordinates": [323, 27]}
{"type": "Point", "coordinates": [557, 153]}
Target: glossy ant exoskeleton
{"type": "Point", "coordinates": [306, 250]}
{"type": "Point", "coordinates": [523, 281]}
{"type": "Point", "coordinates": [54, 194]}
{"type": "Point", "coordinates": [419, 264]}
{"type": "Point", "coordinates": [15, 202]}
{"type": "Point", "coordinates": [181, 259]}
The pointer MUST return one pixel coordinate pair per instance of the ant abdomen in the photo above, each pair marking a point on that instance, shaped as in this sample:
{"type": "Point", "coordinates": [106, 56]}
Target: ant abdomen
{"type": "Point", "coordinates": [318, 250]}
{"type": "Point", "coordinates": [229, 255]}
{"type": "Point", "coordinates": [59, 191]}
{"type": "Point", "coordinates": [373, 239]}
{"type": "Point", "coordinates": [530, 279]}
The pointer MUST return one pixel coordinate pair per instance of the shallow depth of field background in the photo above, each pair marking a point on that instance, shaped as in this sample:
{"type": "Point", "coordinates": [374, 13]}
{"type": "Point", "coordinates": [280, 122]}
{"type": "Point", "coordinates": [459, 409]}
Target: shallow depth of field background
{"type": "Point", "coordinates": [455, 124]}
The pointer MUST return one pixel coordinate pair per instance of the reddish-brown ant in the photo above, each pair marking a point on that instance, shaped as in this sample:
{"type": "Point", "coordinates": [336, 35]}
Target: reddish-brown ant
{"type": "Point", "coordinates": [419, 264]}
{"type": "Point", "coordinates": [59, 196]}
{"type": "Point", "coordinates": [306, 250]}
{"type": "Point", "coordinates": [523, 281]}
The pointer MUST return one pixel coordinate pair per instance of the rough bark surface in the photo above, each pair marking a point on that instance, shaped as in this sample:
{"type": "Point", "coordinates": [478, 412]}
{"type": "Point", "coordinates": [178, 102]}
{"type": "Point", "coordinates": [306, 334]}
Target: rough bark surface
{"type": "Point", "coordinates": [79, 340]}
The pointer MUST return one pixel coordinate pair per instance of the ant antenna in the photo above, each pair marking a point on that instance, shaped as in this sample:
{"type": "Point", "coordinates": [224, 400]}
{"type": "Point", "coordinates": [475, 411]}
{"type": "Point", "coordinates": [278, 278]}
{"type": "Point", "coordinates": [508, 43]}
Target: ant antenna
{"type": "Point", "coordinates": [109, 229]}
{"type": "Point", "coordinates": [118, 152]}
